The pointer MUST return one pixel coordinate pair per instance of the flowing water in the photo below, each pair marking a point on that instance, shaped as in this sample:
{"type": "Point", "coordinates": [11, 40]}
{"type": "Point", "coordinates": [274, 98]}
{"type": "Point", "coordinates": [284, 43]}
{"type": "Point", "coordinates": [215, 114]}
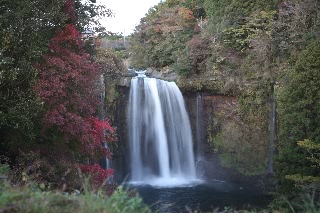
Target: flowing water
{"type": "Point", "coordinates": [102, 116]}
{"type": "Point", "coordinates": [159, 134]}
{"type": "Point", "coordinates": [162, 158]}
{"type": "Point", "coordinates": [199, 127]}
{"type": "Point", "coordinates": [273, 128]}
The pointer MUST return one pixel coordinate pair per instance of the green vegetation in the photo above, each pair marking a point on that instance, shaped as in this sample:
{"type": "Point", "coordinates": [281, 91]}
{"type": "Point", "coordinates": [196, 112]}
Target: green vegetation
{"type": "Point", "coordinates": [33, 199]}
{"type": "Point", "coordinates": [300, 115]}
{"type": "Point", "coordinates": [235, 150]}
{"type": "Point", "coordinates": [161, 37]}
{"type": "Point", "coordinates": [29, 196]}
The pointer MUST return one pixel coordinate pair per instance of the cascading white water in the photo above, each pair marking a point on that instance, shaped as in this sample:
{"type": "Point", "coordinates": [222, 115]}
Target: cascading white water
{"type": "Point", "coordinates": [159, 134]}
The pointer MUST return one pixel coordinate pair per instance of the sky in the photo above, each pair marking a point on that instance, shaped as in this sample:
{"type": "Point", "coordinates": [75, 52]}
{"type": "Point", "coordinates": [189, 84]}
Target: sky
{"type": "Point", "coordinates": [127, 14]}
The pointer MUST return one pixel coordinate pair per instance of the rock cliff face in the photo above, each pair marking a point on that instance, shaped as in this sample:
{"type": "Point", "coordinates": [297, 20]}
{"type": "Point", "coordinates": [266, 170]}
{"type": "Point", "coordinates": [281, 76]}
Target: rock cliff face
{"type": "Point", "coordinates": [207, 112]}
{"type": "Point", "coordinates": [120, 149]}
{"type": "Point", "coordinates": [202, 108]}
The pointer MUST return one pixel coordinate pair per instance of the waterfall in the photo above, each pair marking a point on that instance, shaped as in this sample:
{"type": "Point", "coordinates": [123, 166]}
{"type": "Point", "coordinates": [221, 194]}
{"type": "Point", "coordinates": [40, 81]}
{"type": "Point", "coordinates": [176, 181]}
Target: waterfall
{"type": "Point", "coordinates": [200, 127]}
{"type": "Point", "coordinates": [159, 133]}
{"type": "Point", "coordinates": [102, 116]}
{"type": "Point", "coordinates": [107, 160]}
{"type": "Point", "coordinates": [273, 129]}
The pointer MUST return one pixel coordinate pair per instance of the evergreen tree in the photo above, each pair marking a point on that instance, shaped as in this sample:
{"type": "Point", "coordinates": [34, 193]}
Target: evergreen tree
{"type": "Point", "coordinates": [299, 114]}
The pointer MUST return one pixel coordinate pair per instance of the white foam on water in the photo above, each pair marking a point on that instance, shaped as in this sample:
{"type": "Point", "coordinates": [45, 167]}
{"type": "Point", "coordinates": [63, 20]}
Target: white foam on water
{"type": "Point", "coordinates": [168, 182]}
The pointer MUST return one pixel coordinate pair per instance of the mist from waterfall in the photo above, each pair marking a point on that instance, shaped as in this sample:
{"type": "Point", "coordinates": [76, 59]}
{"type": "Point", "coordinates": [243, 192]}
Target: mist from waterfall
{"type": "Point", "coordinates": [159, 134]}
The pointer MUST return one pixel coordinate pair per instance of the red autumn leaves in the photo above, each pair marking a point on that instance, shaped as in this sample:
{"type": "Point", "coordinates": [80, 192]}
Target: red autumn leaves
{"type": "Point", "coordinates": [67, 86]}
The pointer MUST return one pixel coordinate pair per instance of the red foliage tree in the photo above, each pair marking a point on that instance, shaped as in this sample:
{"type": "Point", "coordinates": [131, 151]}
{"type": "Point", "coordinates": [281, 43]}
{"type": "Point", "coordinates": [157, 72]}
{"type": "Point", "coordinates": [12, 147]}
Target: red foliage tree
{"type": "Point", "coordinates": [68, 86]}
{"type": "Point", "coordinates": [97, 174]}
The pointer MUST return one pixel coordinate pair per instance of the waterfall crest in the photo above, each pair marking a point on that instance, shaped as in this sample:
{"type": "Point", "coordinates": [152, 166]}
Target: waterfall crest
{"type": "Point", "coordinates": [159, 133]}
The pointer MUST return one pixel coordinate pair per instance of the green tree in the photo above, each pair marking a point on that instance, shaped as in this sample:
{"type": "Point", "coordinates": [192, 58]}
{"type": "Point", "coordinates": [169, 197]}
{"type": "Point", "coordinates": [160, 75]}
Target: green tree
{"type": "Point", "coordinates": [165, 30]}
{"type": "Point", "coordinates": [229, 13]}
{"type": "Point", "coordinates": [299, 114]}
{"type": "Point", "coordinates": [296, 25]}
{"type": "Point", "coordinates": [314, 157]}
{"type": "Point", "coordinates": [25, 29]}
{"type": "Point", "coordinates": [182, 64]}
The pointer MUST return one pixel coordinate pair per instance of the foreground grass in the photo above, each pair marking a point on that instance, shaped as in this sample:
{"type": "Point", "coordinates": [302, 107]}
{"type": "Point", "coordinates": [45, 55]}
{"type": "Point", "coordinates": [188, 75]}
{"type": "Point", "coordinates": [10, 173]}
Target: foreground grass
{"type": "Point", "coordinates": [32, 199]}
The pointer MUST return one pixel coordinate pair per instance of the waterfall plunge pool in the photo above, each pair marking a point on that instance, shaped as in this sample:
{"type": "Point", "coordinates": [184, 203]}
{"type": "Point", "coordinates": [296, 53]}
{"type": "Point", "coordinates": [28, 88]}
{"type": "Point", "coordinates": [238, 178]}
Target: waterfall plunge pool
{"type": "Point", "coordinates": [201, 196]}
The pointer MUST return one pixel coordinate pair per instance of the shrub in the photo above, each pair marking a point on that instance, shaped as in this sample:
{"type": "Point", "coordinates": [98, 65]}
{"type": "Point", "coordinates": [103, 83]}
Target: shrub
{"type": "Point", "coordinates": [97, 174]}
{"type": "Point", "coordinates": [28, 199]}
{"type": "Point", "coordinates": [121, 201]}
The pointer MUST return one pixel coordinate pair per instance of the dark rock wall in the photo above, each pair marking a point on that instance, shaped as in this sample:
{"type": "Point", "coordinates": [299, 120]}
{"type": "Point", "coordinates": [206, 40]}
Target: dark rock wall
{"type": "Point", "coordinates": [120, 148]}
{"type": "Point", "coordinates": [212, 105]}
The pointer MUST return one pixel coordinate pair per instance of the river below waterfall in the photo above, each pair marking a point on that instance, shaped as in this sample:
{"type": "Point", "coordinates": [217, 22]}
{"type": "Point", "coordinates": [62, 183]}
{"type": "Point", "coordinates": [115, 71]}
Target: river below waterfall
{"type": "Point", "coordinates": [204, 196]}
